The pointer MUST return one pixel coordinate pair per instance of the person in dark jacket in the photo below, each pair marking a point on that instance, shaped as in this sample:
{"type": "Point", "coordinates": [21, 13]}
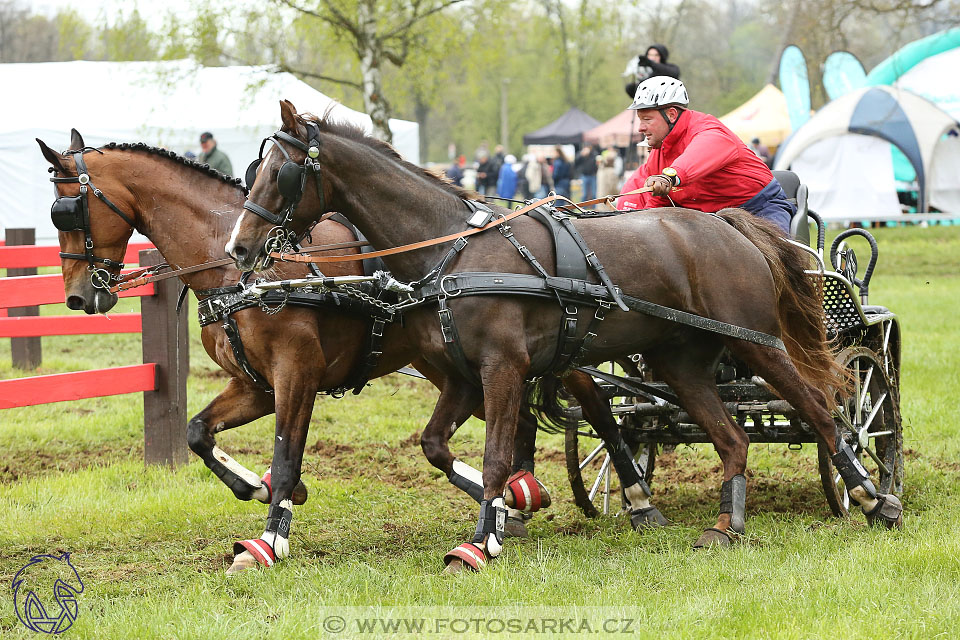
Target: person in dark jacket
{"type": "Point", "coordinates": [213, 156]}
{"type": "Point", "coordinates": [652, 63]}
{"type": "Point", "coordinates": [561, 173]}
{"type": "Point", "coordinates": [585, 166]}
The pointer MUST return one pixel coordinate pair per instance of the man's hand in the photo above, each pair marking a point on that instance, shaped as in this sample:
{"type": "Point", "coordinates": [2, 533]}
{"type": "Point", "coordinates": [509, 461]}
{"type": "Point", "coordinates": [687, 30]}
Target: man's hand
{"type": "Point", "coordinates": [661, 185]}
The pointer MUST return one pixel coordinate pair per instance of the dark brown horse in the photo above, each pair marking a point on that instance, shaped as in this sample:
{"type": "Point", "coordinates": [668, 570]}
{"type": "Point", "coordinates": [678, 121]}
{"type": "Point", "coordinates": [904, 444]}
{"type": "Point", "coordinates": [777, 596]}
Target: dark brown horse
{"type": "Point", "coordinates": [188, 212]}
{"type": "Point", "coordinates": [729, 267]}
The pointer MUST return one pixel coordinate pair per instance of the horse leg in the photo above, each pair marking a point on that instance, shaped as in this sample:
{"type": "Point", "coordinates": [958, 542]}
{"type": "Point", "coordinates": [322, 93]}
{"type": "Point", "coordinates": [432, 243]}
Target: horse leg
{"type": "Point", "coordinates": [294, 404]}
{"type": "Point", "coordinates": [690, 372]}
{"type": "Point", "coordinates": [525, 493]}
{"type": "Point", "coordinates": [502, 378]}
{"type": "Point", "coordinates": [597, 412]}
{"type": "Point", "coordinates": [779, 371]}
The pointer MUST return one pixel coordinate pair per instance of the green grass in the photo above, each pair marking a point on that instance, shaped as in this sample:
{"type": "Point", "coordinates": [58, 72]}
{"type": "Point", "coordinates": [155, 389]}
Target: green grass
{"type": "Point", "coordinates": [151, 545]}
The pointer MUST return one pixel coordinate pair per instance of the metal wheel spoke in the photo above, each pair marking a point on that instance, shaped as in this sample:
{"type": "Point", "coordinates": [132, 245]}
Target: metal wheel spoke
{"type": "Point", "coordinates": [877, 459]}
{"type": "Point", "coordinates": [858, 389]}
{"type": "Point", "coordinates": [593, 454]}
{"type": "Point", "coordinates": [846, 420]}
{"type": "Point", "coordinates": [866, 390]}
{"type": "Point", "coordinates": [596, 484]}
{"type": "Point", "coordinates": [873, 413]}
{"type": "Point", "coordinates": [879, 434]}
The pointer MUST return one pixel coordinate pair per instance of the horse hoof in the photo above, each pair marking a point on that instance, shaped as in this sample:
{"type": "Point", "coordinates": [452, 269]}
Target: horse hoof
{"type": "Point", "coordinates": [888, 512]}
{"type": "Point", "coordinates": [526, 493]}
{"type": "Point", "coordinates": [713, 537]}
{"type": "Point", "coordinates": [515, 528]}
{"type": "Point", "coordinates": [299, 494]}
{"type": "Point", "coordinates": [453, 568]}
{"type": "Point", "coordinates": [647, 518]}
{"type": "Point", "coordinates": [242, 562]}
{"type": "Point", "coordinates": [466, 556]}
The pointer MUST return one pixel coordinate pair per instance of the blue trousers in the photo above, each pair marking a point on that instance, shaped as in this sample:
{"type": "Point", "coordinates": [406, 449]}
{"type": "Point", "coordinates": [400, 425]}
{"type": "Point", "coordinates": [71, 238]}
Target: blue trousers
{"type": "Point", "coordinates": [771, 203]}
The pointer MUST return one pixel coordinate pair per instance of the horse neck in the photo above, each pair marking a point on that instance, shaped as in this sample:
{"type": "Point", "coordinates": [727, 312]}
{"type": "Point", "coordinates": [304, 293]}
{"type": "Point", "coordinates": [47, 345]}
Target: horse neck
{"type": "Point", "coordinates": [186, 214]}
{"type": "Point", "coordinates": [391, 204]}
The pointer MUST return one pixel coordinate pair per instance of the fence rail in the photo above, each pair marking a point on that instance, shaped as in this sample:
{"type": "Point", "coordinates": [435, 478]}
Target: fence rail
{"type": "Point", "coordinates": [162, 376]}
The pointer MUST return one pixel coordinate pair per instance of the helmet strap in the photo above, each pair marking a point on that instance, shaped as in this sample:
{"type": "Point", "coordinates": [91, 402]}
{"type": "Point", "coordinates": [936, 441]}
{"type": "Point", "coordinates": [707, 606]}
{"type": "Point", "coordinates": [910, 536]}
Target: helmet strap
{"type": "Point", "coordinates": [663, 112]}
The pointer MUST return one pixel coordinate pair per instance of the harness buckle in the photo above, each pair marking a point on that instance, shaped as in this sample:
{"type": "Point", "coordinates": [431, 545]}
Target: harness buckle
{"type": "Point", "coordinates": [460, 244]}
{"type": "Point", "coordinates": [449, 294]}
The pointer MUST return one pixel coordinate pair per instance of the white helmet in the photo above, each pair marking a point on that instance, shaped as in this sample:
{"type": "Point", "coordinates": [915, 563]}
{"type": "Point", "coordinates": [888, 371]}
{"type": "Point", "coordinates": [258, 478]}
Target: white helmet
{"type": "Point", "coordinates": [660, 91]}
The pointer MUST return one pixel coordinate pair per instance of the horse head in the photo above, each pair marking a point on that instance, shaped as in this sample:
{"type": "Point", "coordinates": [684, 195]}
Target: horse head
{"type": "Point", "coordinates": [93, 239]}
{"type": "Point", "coordinates": [278, 183]}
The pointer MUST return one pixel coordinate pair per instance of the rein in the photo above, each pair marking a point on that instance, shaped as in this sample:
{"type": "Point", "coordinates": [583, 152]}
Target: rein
{"type": "Point", "coordinates": [299, 257]}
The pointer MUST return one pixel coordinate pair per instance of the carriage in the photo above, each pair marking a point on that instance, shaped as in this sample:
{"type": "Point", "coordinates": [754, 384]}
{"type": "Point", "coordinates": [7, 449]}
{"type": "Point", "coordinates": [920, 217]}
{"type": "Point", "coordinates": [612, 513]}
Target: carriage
{"type": "Point", "coordinates": [868, 416]}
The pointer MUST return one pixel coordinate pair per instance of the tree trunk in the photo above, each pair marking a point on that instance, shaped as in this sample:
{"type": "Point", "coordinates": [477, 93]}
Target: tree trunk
{"type": "Point", "coordinates": [422, 112]}
{"type": "Point", "coordinates": [371, 56]}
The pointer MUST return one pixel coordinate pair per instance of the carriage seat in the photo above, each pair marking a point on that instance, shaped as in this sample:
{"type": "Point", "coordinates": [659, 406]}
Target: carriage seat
{"type": "Point", "coordinates": [796, 193]}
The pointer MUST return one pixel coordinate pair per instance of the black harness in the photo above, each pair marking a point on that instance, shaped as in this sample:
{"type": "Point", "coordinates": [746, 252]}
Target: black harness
{"type": "Point", "coordinates": [569, 288]}
{"type": "Point", "coordinates": [291, 182]}
{"type": "Point", "coordinates": [72, 213]}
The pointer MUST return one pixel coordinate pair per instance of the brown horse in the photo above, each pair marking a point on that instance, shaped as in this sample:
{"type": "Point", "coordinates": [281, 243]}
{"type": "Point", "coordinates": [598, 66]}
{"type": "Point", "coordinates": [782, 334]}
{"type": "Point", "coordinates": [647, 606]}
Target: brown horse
{"type": "Point", "coordinates": [188, 211]}
{"type": "Point", "coordinates": [729, 267]}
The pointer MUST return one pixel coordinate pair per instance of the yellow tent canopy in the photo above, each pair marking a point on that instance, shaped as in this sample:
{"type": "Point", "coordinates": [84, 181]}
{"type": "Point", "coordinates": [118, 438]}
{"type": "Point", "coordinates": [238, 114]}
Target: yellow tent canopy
{"type": "Point", "coordinates": [763, 116]}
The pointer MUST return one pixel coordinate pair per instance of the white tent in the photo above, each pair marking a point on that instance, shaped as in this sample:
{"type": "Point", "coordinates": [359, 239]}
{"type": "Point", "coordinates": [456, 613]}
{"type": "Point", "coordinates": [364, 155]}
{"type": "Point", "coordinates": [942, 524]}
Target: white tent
{"type": "Point", "coordinates": [167, 104]}
{"type": "Point", "coordinates": [843, 153]}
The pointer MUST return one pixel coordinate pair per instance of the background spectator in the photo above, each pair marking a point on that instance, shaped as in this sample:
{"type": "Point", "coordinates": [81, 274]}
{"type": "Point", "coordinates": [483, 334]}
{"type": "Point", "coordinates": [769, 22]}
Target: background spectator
{"type": "Point", "coordinates": [212, 156]}
{"type": "Point", "coordinates": [486, 178]}
{"type": "Point", "coordinates": [608, 180]}
{"type": "Point", "coordinates": [507, 179]}
{"type": "Point", "coordinates": [455, 172]}
{"type": "Point", "coordinates": [586, 168]}
{"type": "Point", "coordinates": [652, 63]}
{"type": "Point", "coordinates": [762, 151]}
{"type": "Point", "coordinates": [562, 172]}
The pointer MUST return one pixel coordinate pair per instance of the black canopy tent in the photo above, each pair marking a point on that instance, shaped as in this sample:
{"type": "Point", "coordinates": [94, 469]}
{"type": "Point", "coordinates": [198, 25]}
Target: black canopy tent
{"type": "Point", "coordinates": [567, 129]}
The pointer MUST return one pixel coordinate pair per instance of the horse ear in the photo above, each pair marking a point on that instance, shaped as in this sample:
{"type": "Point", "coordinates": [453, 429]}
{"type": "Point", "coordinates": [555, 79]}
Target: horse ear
{"type": "Point", "coordinates": [76, 140]}
{"type": "Point", "coordinates": [52, 156]}
{"type": "Point", "coordinates": [288, 115]}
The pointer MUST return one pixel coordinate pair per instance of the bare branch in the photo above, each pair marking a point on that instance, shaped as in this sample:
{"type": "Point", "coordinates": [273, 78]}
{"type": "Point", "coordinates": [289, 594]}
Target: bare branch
{"type": "Point", "coordinates": [335, 17]}
{"type": "Point", "coordinates": [417, 17]}
{"type": "Point", "coordinates": [318, 76]}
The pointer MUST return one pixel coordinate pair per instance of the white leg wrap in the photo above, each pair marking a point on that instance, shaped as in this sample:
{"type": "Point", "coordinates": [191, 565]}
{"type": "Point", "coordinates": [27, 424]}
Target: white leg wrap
{"type": "Point", "coordinates": [461, 468]}
{"type": "Point", "coordinates": [637, 497]}
{"type": "Point", "coordinates": [493, 547]}
{"type": "Point", "coordinates": [280, 544]}
{"type": "Point", "coordinates": [245, 474]}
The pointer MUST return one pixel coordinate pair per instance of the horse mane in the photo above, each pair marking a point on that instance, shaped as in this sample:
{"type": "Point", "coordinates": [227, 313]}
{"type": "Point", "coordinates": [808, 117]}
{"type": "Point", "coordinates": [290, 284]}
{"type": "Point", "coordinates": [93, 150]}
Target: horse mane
{"type": "Point", "coordinates": [353, 132]}
{"type": "Point", "coordinates": [176, 157]}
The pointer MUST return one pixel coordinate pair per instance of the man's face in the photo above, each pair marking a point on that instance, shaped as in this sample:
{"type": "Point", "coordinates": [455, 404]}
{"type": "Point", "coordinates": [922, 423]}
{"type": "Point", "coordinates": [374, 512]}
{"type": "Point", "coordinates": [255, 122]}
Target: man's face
{"type": "Point", "coordinates": [653, 126]}
{"type": "Point", "coordinates": [653, 55]}
{"type": "Point", "coordinates": [208, 145]}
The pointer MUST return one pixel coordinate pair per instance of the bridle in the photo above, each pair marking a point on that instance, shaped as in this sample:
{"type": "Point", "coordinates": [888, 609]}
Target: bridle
{"type": "Point", "coordinates": [291, 183]}
{"type": "Point", "coordinates": [72, 213]}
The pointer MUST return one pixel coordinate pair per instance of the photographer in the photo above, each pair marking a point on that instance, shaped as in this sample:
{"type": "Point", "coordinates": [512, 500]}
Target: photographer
{"type": "Point", "coordinates": [652, 63]}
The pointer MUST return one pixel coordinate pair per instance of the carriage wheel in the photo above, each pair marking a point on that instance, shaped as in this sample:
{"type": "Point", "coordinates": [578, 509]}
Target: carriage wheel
{"type": "Point", "coordinates": [868, 418]}
{"type": "Point", "coordinates": [588, 460]}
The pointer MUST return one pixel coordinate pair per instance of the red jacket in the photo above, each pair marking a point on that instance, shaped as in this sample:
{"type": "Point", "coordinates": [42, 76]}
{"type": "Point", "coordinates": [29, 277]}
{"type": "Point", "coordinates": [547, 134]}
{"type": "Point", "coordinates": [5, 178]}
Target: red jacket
{"type": "Point", "coordinates": [716, 169]}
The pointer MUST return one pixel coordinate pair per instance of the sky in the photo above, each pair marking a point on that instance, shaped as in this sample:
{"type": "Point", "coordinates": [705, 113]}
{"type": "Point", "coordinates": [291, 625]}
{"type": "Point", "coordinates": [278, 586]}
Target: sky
{"type": "Point", "coordinates": [152, 12]}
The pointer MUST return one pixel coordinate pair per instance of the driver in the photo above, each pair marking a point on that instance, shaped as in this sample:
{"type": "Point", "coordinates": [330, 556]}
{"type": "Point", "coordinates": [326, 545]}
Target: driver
{"type": "Point", "coordinates": [696, 162]}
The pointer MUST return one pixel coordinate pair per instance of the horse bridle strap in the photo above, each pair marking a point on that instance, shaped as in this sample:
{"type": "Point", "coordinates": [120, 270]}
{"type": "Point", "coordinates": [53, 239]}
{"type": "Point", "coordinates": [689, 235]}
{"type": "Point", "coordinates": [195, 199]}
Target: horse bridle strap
{"type": "Point", "coordinates": [292, 177]}
{"type": "Point", "coordinates": [66, 219]}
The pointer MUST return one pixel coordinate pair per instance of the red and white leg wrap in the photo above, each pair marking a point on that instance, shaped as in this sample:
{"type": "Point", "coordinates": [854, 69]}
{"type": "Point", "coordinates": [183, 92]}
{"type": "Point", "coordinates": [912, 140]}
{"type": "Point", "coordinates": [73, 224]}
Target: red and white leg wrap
{"type": "Point", "coordinates": [525, 493]}
{"type": "Point", "coordinates": [259, 548]}
{"type": "Point", "coordinates": [265, 497]}
{"type": "Point", "coordinates": [470, 554]}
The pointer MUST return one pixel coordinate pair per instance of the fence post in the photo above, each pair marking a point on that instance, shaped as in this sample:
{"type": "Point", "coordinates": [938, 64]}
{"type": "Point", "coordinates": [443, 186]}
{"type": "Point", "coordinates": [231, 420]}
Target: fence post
{"type": "Point", "coordinates": [25, 351]}
{"type": "Point", "coordinates": [165, 343]}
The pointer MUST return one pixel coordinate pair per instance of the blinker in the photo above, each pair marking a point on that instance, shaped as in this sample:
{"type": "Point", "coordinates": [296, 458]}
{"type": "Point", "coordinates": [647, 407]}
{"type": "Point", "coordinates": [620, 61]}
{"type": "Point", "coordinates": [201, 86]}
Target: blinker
{"type": "Point", "coordinates": [67, 213]}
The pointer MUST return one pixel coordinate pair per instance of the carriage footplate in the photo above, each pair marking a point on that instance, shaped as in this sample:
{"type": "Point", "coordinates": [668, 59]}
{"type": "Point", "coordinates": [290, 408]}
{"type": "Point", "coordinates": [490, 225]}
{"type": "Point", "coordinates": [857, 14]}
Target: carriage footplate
{"type": "Point", "coordinates": [733, 500]}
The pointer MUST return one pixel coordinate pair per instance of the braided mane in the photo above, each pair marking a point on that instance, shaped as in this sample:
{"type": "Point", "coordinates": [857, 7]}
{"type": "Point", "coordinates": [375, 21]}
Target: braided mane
{"type": "Point", "coordinates": [176, 157]}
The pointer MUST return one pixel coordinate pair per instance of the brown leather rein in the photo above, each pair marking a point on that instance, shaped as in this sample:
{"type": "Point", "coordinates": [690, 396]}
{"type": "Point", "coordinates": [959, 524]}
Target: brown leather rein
{"type": "Point", "coordinates": [146, 276]}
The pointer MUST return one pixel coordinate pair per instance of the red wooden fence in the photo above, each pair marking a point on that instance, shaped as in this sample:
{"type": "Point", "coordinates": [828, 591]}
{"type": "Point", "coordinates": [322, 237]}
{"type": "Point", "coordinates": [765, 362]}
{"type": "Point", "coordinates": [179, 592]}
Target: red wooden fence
{"type": "Point", "coordinates": [162, 377]}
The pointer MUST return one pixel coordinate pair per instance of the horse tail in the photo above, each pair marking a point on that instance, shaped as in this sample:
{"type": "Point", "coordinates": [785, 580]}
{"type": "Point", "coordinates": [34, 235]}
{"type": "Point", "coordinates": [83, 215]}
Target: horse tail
{"type": "Point", "coordinates": [545, 398]}
{"type": "Point", "coordinates": [799, 302]}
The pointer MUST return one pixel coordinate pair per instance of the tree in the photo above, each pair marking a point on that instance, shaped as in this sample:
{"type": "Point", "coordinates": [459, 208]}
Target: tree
{"type": "Point", "coordinates": [380, 31]}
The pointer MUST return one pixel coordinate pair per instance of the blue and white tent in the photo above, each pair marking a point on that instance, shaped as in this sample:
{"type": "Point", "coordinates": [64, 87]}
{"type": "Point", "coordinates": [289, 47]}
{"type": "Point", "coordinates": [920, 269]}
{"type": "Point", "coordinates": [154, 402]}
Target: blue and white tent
{"type": "Point", "coordinates": [844, 153]}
